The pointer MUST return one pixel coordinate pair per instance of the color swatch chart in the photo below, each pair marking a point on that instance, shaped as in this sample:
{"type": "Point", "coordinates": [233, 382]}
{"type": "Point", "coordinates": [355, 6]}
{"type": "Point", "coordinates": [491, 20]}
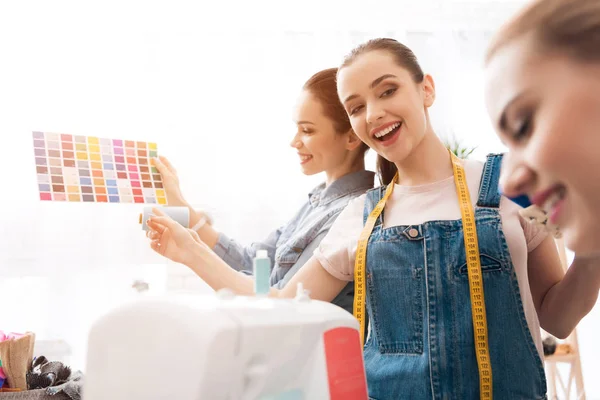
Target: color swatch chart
{"type": "Point", "coordinates": [90, 169]}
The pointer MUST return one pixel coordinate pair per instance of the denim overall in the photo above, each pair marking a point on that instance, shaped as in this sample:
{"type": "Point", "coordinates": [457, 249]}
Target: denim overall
{"type": "Point", "coordinates": [421, 342]}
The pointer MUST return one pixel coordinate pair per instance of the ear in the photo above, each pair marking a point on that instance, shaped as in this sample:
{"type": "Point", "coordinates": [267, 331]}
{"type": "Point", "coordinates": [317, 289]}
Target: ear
{"type": "Point", "coordinates": [428, 91]}
{"type": "Point", "coordinates": [353, 142]}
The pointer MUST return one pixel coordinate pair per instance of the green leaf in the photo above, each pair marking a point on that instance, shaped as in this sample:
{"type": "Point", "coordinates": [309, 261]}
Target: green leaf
{"type": "Point", "coordinates": [456, 147]}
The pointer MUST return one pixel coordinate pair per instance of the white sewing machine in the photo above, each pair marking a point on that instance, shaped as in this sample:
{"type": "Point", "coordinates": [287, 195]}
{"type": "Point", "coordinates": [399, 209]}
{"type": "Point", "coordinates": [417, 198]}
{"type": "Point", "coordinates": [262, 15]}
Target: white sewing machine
{"type": "Point", "coordinates": [188, 347]}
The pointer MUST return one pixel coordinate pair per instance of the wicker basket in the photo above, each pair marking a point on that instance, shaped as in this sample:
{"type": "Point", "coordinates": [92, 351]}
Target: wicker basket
{"type": "Point", "coordinates": [38, 394]}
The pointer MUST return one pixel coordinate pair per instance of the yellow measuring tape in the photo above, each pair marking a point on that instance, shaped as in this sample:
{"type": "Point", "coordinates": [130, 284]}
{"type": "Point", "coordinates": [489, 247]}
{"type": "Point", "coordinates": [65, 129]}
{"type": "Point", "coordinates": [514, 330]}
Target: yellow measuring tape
{"type": "Point", "coordinates": [482, 351]}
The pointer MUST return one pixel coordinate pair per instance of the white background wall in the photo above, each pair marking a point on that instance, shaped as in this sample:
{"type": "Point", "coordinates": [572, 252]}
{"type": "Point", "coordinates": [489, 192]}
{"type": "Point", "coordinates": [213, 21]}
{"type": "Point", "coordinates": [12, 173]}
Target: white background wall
{"type": "Point", "coordinates": [214, 85]}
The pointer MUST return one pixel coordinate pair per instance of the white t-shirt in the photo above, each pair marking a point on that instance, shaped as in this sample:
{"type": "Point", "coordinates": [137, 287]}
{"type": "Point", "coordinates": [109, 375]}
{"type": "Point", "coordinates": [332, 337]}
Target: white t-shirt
{"type": "Point", "coordinates": [438, 201]}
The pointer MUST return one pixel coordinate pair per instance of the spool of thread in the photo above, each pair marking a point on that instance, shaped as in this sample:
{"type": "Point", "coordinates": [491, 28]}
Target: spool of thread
{"type": "Point", "coordinates": [2, 376]}
{"type": "Point", "coordinates": [549, 344]}
{"type": "Point", "coordinates": [178, 214]}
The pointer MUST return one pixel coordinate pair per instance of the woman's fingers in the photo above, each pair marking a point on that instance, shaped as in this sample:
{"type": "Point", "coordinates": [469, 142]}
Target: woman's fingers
{"type": "Point", "coordinates": [159, 224]}
{"type": "Point", "coordinates": [153, 235]}
{"type": "Point", "coordinates": [160, 221]}
{"type": "Point", "coordinates": [155, 245]}
{"type": "Point", "coordinates": [162, 169]}
{"type": "Point", "coordinates": [155, 226]}
{"type": "Point", "coordinates": [158, 211]}
{"type": "Point", "coordinates": [167, 164]}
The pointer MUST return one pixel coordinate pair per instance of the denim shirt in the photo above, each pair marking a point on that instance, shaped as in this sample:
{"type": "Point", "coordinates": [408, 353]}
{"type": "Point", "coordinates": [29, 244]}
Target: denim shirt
{"type": "Point", "coordinates": [292, 245]}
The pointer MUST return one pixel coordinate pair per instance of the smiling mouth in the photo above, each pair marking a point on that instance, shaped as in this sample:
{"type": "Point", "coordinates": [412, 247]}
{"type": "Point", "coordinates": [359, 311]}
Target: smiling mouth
{"type": "Point", "coordinates": [305, 158]}
{"type": "Point", "coordinates": [388, 132]}
{"type": "Point", "coordinates": [551, 201]}
{"type": "Point", "coordinates": [548, 199]}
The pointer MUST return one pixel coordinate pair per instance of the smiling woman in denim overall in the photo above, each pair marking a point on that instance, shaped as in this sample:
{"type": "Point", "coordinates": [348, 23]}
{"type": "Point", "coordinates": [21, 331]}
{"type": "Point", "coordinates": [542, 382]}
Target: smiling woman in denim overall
{"type": "Point", "coordinates": [421, 341]}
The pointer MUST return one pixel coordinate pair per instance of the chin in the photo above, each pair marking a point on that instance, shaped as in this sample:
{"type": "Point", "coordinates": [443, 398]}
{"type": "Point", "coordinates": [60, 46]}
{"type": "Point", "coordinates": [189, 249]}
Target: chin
{"type": "Point", "coordinates": [583, 241]}
{"type": "Point", "coordinates": [310, 171]}
{"type": "Point", "coordinates": [399, 152]}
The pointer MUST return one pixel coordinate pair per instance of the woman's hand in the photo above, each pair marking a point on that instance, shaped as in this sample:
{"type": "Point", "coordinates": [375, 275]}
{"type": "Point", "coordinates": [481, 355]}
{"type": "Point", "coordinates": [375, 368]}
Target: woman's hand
{"type": "Point", "coordinates": [173, 241]}
{"type": "Point", "coordinates": [175, 197]}
{"type": "Point", "coordinates": [170, 181]}
{"type": "Point", "coordinates": [182, 245]}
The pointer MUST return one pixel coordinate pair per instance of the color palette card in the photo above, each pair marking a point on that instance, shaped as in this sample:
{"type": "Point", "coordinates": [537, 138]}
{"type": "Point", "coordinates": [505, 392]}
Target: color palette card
{"type": "Point", "coordinates": [91, 169]}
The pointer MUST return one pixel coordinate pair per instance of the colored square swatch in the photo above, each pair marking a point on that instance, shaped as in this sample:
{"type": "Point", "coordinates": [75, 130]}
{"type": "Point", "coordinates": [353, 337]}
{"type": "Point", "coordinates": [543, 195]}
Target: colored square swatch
{"type": "Point", "coordinates": [89, 169]}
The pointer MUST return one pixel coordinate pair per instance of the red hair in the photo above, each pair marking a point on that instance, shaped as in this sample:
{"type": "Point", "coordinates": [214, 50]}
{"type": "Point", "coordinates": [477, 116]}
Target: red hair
{"type": "Point", "coordinates": [323, 86]}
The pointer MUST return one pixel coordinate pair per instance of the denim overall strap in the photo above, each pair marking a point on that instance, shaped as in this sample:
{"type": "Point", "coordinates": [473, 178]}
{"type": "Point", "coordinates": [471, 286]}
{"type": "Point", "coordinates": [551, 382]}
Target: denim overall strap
{"type": "Point", "coordinates": [371, 200]}
{"type": "Point", "coordinates": [489, 193]}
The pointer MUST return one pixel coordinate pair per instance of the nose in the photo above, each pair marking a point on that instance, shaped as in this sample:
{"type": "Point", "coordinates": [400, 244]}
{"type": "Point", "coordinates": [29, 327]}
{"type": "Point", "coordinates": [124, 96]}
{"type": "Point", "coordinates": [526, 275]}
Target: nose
{"type": "Point", "coordinates": [516, 177]}
{"type": "Point", "coordinates": [296, 142]}
{"type": "Point", "coordinates": [374, 113]}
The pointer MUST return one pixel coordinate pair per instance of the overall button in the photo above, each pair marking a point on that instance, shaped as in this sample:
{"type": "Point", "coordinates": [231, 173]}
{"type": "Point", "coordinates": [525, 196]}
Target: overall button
{"type": "Point", "coordinates": [412, 233]}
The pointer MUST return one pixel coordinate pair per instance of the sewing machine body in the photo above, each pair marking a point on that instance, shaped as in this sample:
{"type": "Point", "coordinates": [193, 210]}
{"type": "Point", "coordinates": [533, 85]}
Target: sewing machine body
{"type": "Point", "coordinates": [190, 347]}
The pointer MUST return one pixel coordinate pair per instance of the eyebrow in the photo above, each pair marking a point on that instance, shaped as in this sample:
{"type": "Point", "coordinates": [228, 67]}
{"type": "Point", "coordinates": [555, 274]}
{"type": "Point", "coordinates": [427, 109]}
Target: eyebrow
{"type": "Point", "coordinates": [304, 122]}
{"type": "Point", "coordinates": [372, 85]}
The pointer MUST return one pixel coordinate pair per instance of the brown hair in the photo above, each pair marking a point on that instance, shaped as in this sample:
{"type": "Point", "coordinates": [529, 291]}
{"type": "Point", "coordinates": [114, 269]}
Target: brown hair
{"type": "Point", "coordinates": [323, 86]}
{"type": "Point", "coordinates": [571, 28]}
{"type": "Point", "coordinates": [406, 59]}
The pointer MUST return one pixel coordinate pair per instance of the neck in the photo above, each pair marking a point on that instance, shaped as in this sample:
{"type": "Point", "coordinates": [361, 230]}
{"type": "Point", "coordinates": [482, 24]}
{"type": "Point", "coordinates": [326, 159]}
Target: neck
{"type": "Point", "coordinates": [429, 162]}
{"type": "Point", "coordinates": [347, 167]}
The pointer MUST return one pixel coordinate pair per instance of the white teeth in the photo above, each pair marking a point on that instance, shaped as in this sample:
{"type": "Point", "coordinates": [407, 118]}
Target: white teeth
{"type": "Point", "coordinates": [387, 130]}
{"type": "Point", "coordinates": [304, 158]}
{"type": "Point", "coordinates": [552, 200]}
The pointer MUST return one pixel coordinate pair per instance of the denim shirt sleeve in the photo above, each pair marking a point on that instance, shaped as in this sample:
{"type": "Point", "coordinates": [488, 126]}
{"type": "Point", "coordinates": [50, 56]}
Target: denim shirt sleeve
{"type": "Point", "coordinates": [308, 252]}
{"type": "Point", "coordinates": [241, 258]}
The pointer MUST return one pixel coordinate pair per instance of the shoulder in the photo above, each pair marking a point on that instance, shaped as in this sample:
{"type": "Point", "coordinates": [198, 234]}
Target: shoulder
{"type": "Point", "coordinates": [351, 187]}
{"type": "Point", "coordinates": [353, 205]}
{"type": "Point", "coordinates": [359, 201]}
{"type": "Point", "coordinates": [473, 168]}
{"type": "Point", "coordinates": [477, 166]}
{"type": "Point", "coordinates": [359, 182]}
{"type": "Point", "coordinates": [353, 209]}
{"type": "Point", "coordinates": [346, 214]}
{"type": "Point", "coordinates": [515, 224]}
{"type": "Point", "coordinates": [490, 166]}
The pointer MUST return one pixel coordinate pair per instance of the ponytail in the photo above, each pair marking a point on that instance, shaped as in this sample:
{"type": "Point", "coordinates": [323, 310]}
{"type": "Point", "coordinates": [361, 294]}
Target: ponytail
{"type": "Point", "coordinates": [387, 170]}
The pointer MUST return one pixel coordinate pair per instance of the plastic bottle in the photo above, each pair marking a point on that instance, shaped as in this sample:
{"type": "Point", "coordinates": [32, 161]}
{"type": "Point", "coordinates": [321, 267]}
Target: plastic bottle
{"type": "Point", "coordinates": [262, 273]}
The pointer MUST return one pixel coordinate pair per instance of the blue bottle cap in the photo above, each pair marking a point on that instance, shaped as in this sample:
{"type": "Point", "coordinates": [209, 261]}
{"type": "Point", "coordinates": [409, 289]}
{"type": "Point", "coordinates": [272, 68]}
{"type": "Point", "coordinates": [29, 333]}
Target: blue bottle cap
{"type": "Point", "coordinates": [522, 200]}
